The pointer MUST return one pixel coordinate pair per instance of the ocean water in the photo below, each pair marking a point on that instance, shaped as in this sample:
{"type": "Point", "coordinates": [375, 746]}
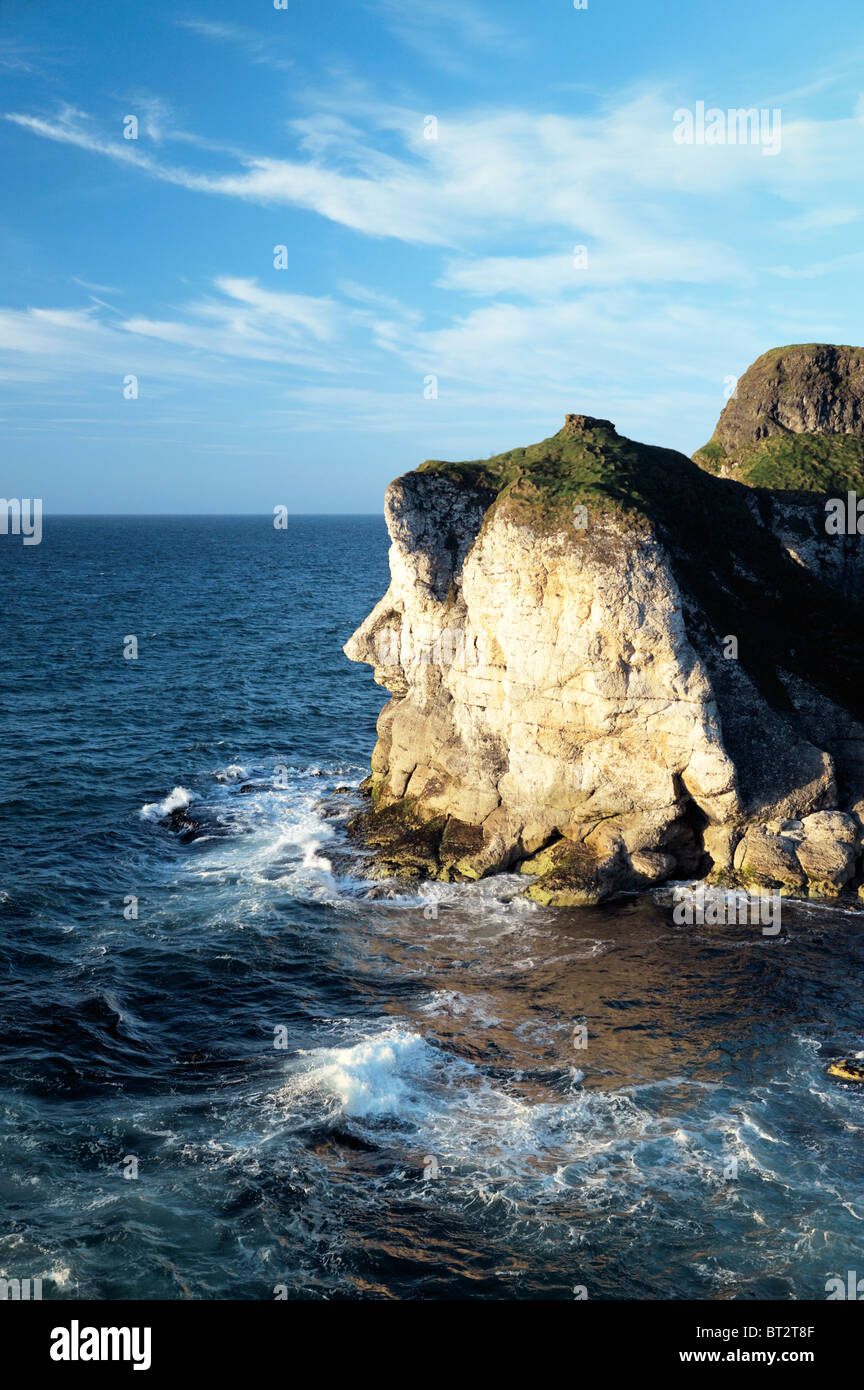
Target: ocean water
{"type": "Point", "coordinates": [274, 1080]}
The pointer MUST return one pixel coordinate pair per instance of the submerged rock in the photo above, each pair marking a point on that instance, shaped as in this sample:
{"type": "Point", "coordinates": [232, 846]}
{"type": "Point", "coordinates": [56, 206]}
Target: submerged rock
{"type": "Point", "coordinates": [180, 823]}
{"type": "Point", "coordinates": [847, 1070]}
{"type": "Point", "coordinates": [611, 667]}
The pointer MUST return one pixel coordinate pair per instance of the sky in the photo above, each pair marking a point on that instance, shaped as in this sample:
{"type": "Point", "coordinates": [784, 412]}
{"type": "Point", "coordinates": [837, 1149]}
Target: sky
{"type": "Point", "coordinates": [489, 216]}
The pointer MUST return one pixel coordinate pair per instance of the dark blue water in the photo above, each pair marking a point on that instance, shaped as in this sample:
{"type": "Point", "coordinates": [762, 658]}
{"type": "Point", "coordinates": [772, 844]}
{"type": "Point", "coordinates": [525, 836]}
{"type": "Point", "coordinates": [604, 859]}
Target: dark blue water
{"type": "Point", "coordinates": [275, 1080]}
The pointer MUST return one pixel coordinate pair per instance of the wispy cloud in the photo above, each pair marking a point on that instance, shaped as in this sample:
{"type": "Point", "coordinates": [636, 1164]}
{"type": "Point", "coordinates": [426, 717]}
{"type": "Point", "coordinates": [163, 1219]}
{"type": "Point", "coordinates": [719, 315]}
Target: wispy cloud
{"type": "Point", "coordinates": [448, 34]}
{"type": "Point", "coordinates": [26, 59]}
{"type": "Point", "coordinates": [73, 127]}
{"type": "Point", "coordinates": [238, 321]}
{"type": "Point", "coordinates": [245, 320]}
{"type": "Point", "coordinates": [508, 195]}
{"type": "Point", "coordinates": [851, 261]}
{"type": "Point", "coordinates": [321, 364]}
{"type": "Point", "coordinates": [490, 175]}
{"type": "Point", "coordinates": [642, 256]}
{"type": "Point", "coordinates": [96, 289]}
{"type": "Point", "coordinates": [256, 47]}
{"type": "Point", "coordinates": [14, 57]}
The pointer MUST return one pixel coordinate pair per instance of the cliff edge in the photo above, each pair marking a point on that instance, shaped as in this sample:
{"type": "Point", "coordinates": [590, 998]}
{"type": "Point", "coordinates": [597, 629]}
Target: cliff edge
{"type": "Point", "coordinates": [610, 665]}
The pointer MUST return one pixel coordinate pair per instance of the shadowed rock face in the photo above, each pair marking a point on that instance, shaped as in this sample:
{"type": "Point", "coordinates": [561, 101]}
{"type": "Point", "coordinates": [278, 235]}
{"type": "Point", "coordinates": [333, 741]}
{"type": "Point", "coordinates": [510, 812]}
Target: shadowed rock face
{"type": "Point", "coordinates": [811, 389]}
{"type": "Point", "coordinates": [609, 667]}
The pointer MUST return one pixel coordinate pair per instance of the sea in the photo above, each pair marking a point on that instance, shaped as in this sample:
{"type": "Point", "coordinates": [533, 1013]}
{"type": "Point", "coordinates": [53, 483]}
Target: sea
{"type": "Point", "coordinates": [234, 1067]}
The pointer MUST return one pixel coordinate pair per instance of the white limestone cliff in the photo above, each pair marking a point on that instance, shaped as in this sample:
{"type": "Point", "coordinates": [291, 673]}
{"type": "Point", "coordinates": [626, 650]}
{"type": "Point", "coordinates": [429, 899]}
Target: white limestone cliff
{"type": "Point", "coordinates": [552, 708]}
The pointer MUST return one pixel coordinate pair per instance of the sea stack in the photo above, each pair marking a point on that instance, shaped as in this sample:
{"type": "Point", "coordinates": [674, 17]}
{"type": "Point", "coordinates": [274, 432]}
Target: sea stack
{"type": "Point", "coordinates": [611, 665]}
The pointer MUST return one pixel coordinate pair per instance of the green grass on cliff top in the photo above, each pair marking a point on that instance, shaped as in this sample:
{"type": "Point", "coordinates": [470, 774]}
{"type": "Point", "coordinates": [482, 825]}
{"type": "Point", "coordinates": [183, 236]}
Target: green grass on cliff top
{"type": "Point", "coordinates": [791, 462]}
{"type": "Point", "coordinates": [541, 483]}
{"type": "Point", "coordinates": [592, 464]}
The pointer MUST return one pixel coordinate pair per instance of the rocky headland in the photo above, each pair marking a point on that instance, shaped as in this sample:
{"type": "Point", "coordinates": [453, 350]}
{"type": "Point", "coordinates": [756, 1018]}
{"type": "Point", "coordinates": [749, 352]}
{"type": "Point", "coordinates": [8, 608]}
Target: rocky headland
{"type": "Point", "coordinates": [611, 665]}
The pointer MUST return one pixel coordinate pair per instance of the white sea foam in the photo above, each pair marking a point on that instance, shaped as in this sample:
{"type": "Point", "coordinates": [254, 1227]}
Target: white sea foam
{"type": "Point", "coordinates": [284, 838]}
{"type": "Point", "coordinates": [494, 1140]}
{"type": "Point", "coordinates": [281, 834]}
{"type": "Point", "coordinates": [478, 1130]}
{"type": "Point", "coordinates": [496, 1146]}
{"type": "Point", "coordinates": [176, 800]}
{"type": "Point", "coordinates": [376, 1077]}
{"type": "Point", "coordinates": [232, 772]}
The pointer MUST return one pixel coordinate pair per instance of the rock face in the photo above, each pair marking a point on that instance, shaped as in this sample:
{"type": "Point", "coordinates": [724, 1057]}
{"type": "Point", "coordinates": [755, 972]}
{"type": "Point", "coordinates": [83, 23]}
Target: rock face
{"type": "Point", "coordinates": [811, 389]}
{"type": "Point", "coordinates": [609, 668]}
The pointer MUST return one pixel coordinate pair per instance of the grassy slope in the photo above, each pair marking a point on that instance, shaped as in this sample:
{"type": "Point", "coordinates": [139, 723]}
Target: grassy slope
{"type": "Point", "coordinates": [594, 466]}
{"type": "Point", "coordinates": [792, 462]}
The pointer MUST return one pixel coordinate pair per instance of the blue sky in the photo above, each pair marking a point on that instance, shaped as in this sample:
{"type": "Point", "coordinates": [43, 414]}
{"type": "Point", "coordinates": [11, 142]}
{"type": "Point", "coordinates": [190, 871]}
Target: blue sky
{"type": "Point", "coordinates": [407, 257]}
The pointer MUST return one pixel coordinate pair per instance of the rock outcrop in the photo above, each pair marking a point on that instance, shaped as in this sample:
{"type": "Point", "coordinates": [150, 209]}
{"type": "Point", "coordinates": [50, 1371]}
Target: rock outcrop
{"type": "Point", "coordinates": [610, 667]}
{"type": "Point", "coordinates": [795, 420]}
